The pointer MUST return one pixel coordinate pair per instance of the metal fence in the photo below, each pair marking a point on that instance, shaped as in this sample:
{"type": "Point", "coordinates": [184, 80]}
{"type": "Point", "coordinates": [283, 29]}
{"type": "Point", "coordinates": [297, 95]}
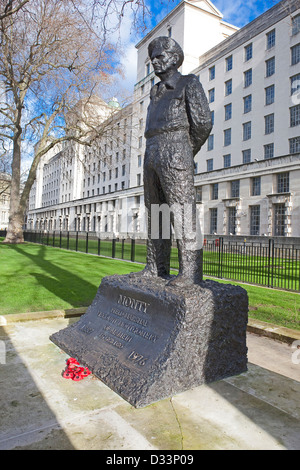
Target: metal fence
{"type": "Point", "coordinates": [264, 261]}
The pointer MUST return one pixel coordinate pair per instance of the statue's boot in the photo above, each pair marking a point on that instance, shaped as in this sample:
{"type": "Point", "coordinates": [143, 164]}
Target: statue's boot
{"type": "Point", "coordinates": [190, 268]}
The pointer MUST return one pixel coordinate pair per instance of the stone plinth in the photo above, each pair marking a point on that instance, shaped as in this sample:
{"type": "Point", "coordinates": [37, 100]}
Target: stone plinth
{"type": "Point", "coordinates": [148, 341]}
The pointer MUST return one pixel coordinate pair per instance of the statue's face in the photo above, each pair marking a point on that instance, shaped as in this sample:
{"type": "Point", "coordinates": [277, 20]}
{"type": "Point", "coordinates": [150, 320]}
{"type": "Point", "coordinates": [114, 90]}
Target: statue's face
{"type": "Point", "coordinates": [163, 60]}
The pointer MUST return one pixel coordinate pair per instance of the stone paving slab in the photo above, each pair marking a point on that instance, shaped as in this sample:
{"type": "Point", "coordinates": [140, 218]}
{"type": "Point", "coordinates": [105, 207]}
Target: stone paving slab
{"type": "Point", "coordinates": [259, 409]}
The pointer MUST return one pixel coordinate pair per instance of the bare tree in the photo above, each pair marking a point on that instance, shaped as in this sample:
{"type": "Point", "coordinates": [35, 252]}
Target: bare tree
{"type": "Point", "coordinates": [50, 58]}
{"type": "Point", "coordinates": [10, 7]}
{"type": "Point", "coordinates": [53, 54]}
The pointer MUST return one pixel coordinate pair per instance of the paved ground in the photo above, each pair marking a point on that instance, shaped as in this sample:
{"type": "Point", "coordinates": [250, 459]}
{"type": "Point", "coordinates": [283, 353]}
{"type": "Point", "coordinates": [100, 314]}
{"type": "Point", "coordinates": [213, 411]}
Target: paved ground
{"type": "Point", "coordinates": [41, 410]}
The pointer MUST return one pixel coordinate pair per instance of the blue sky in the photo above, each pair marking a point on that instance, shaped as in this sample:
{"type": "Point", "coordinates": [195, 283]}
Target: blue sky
{"type": "Point", "coordinates": [235, 12]}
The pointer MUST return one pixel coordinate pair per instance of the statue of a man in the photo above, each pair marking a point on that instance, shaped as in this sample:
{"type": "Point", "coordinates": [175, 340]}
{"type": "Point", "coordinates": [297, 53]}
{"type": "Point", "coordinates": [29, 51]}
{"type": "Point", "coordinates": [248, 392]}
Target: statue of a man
{"type": "Point", "coordinates": [178, 124]}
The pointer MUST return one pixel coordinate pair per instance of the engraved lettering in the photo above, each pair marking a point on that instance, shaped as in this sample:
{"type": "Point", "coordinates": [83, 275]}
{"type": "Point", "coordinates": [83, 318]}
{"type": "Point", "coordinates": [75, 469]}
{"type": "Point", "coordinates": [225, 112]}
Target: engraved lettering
{"type": "Point", "coordinates": [111, 341]}
{"type": "Point", "coordinates": [133, 303]}
{"type": "Point", "coordinates": [146, 334]}
{"type": "Point", "coordinates": [130, 316]}
{"type": "Point", "coordinates": [137, 358]}
{"type": "Point", "coordinates": [118, 333]}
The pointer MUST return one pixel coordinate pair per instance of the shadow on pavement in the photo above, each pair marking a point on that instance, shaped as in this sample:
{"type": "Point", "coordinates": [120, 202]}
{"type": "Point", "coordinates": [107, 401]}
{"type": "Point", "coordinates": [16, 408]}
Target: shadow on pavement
{"type": "Point", "coordinates": [26, 418]}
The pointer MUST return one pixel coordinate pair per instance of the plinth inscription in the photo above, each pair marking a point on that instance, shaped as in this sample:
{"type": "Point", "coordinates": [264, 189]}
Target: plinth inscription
{"type": "Point", "coordinates": [124, 327]}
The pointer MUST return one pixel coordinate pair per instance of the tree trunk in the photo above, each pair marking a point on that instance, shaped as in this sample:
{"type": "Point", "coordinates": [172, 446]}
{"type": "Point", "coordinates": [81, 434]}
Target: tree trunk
{"type": "Point", "coordinates": [16, 212]}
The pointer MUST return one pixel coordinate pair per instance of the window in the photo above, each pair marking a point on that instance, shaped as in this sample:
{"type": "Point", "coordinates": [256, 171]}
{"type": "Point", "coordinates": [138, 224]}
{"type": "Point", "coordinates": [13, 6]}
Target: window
{"type": "Point", "coordinates": [148, 68]}
{"type": "Point", "coordinates": [270, 94]}
{"type": "Point", "coordinates": [235, 188]}
{"type": "Point", "coordinates": [247, 156]}
{"type": "Point", "coordinates": [210, 164]}
{"type": "Point", "coordinates": [123, 170]}
{"type": "Point", "coordinates": [199, 194]}
{"type": "Point", "coordinates": [271, 39]}
{"type": "Point", "coordinates": [247, 104]}
{"type": "Point", "coordinates": [231, 220]}
{"type": "Point", "coordinates": [227, 137]}
{"type": "Point", "coordinates": [170, 32]}
{"type": "Point", "coordinates": [256, 186]}
{"type": "Point", "coordinates": [295, 115]}
{"type": "Point", "coordinates": [248, 52]}
{"type": "Point", "coordinates": [295, 84]}
{"type": "Point", "coordinates": [139, 160]}
{"type": "Point", "coordinates": [228, 111]}
{"type": "Point", "coordinates": [283, 182]}
{"type": "Point", "coordinates": [212, 72]}
{"type": "Point", "coordinates": [212, 114]}
{"type": "Point", "coordinates": [214, 191]}
{"type": "Point", "coordinates": [228, 87]}
{"type": "Point", "coordinates": [254, 220]}
{"type": "Point", "coordinates": [270, 67]}
{"type": "Point", "coordinates": [269, 124]}
{"type": "Point", "coordinates": [116, 172]}
{"type": "Point", "coordinates": [247, 130]}
{"type": "Point", "coordinates": [227, 160]}
{"type": "Point", "coordinates": [295, 54]}
{"type": "Point", "coordinates": [213, 220]}
{"type": "Point", "coordinates": [228, 62]}
{"type": "Point", "coordinates": [268, 151]}
{"type": "Point", "coordinates": [279, 220]}
{"type": "Point", "coordinates": [211, 95]}
{"type": "Point", "coordinates": [138, 179]}
{"type": "Point", "coordinates": [247, 78]}
{"type": "Point", "coordinates": [294, 145]}
{"type": "Point", "coordinates": [295, 24]}
{"type": "Point", "coordinates": [210, 142]}
{"type": "Point", "coordinates": [140, 142]}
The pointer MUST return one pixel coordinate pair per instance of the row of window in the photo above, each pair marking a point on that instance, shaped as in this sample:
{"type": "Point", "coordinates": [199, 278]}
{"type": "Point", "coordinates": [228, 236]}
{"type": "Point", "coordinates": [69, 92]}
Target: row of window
{"type": "Point", "coordinates": [279, 218]}
{"type": "Point", "coordinates": [282, 186]}
{"type": "Point", "coordinates": [269, 99]}
{"type": "Point", "coordinates": [247, 128]}
{"type": "Point", "coordinates": [268, 149]}
{"type": "Point", "coordinates": [270, 43]}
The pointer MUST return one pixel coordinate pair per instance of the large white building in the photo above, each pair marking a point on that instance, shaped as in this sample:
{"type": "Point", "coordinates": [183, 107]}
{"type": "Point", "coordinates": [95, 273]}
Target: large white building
{"type": "Point", "coordinates": [247, 174]}
{"type": "Point", "coordinates": [5, 182]}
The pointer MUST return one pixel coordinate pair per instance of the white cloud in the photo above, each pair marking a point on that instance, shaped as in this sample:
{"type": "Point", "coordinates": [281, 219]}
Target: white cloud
{"type": "Point", "coordinates": [239, 12]}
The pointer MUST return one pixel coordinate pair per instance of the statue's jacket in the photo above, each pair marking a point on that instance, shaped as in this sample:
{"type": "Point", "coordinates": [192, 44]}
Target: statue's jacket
{"type": "Point", "coordinates": [178, 107]}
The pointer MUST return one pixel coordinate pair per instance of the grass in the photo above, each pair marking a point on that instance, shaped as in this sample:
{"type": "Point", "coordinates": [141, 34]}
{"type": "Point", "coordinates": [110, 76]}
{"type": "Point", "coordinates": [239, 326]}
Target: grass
{"type": "Point", "coordinates": [279, 268]}
{"type": "Point", "coordinates": [39, 278]}
{"type": "Point", "coordinates": [279, 307]}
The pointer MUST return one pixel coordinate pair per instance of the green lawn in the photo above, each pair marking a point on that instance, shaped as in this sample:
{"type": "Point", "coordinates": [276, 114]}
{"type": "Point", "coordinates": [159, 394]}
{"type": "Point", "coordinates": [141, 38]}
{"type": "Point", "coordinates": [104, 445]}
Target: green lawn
{"type": "Point", "coordinates": [248, 264]}
{"type": "Point", "coordinates": [38, 278]}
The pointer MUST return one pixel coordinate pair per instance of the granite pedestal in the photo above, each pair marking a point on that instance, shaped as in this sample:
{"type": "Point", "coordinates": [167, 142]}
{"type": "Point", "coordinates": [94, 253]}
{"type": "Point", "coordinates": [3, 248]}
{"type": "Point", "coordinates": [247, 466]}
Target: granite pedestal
{"type": "Point", "coordinates": [148, 341]}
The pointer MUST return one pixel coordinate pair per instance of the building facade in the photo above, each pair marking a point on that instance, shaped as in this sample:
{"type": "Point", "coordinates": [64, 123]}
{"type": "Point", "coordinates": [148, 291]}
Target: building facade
{"type": "Point", "coordinates": [247, 175]}
{"type": "Point", "coordinates": [5, 181]}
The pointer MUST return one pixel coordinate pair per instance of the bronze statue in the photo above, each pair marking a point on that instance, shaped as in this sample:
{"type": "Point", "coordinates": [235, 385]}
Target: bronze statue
{"type": "Point", "coordinates": [178, 124]}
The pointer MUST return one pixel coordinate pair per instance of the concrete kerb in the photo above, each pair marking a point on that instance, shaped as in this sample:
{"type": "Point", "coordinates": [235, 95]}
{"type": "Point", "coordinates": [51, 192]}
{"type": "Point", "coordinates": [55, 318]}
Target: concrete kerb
{"type": "Point", "coordinates": [278, 333]}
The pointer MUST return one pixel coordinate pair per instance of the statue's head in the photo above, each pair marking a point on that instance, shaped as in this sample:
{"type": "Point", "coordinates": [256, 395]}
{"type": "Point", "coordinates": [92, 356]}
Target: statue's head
{"type": "Point", "coordinates": [165, 54]}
